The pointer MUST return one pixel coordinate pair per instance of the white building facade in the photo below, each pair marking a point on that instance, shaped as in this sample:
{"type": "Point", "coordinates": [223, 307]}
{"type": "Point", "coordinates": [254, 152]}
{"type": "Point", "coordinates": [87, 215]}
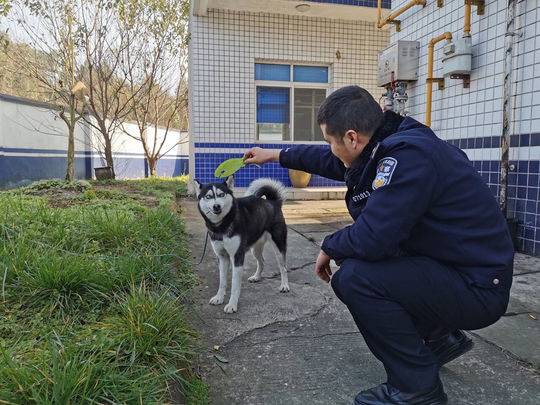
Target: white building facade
{"type": "Point", "coordinates": [259, 70]}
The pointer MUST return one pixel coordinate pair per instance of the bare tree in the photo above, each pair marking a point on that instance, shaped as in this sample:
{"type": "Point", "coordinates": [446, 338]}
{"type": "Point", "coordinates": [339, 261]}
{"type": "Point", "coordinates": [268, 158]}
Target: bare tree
{"type": "Point", "coordinates": [127, 58]}
{"type": "Point", "coordinates": [49, 27]}
{"type": "Point", "coordinates": [155, 66]}
{"type": "Point", "coordinates": [105, 42]}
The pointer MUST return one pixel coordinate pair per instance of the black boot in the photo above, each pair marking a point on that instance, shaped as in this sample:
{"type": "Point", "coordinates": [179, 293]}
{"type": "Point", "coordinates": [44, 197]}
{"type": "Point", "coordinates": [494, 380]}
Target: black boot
{"type": "Point", "coordinates": [449, 347]}
{"type": "Point", "coordinates": [385, 394]}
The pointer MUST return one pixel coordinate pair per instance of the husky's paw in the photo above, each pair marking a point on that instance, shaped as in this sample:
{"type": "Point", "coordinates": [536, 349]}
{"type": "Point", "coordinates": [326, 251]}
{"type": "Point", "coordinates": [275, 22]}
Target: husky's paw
{"type": "Point", "coordinates": [229, 308]}
{"type": "Point", "coordinates": [284, 288]}
{"type": "Point", "coordinates": [254, 279]}
{"type": "Point", "coordinates": [216, 300]}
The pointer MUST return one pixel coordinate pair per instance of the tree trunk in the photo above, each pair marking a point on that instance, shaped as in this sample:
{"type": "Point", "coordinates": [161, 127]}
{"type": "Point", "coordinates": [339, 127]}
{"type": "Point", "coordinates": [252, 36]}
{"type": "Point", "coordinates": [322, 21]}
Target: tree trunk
{"type": "Point", "coordinates": [152, 166]}
{"type": "Point", "coordinates": [70, 172]}
{"type": "Point", "coordinates": [108, 154]}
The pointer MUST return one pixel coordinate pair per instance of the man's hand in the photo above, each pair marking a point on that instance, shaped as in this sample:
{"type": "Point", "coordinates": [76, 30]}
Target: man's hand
{"type": "Point", "coordinates": [322, 266]}
{"type": "Point", "coordinates": [260, 156]}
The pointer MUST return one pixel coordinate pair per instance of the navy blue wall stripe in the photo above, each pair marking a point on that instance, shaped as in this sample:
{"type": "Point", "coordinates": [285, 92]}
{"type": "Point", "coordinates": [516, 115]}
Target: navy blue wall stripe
{"type": "Point", "coordinates": [206, 163]}
{"type": "Point", "coordinates": [18, 170]}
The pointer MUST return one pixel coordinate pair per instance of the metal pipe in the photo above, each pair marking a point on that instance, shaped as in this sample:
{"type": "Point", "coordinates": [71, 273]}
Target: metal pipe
{"type": "Point", "coordinates": [467, 19]}
{"type": "Point", "coordinates": [396, 13]}
{"type": "Point", "coordinates": [507, 104]}
{"type": "Point", "coordinates": [431, 49]}
{"type": "Point", "coordinates": [379, 12]}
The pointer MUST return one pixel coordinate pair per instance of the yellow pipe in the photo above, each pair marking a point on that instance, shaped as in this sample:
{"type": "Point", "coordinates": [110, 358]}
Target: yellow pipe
{"type": "Point", "coordinates": [396, 13]}
{"type": "Point", "coordinates": [431, 49]}
{"type": "Point", "coordinates": [467, 20]}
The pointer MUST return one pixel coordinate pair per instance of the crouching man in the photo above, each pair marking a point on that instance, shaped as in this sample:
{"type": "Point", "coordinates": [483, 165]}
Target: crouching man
{"type": "Point", "coordinates": [429, 253]}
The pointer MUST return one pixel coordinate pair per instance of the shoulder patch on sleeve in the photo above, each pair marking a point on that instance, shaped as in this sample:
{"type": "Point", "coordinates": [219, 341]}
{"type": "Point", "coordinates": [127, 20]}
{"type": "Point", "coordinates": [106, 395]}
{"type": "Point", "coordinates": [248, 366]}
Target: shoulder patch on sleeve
{"type": "Point", "coordinates": [385, 170]}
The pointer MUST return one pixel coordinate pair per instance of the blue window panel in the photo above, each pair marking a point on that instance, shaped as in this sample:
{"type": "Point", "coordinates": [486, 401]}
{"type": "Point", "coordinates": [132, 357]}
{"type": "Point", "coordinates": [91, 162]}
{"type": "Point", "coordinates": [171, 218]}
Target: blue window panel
{"type": "Point", "coordinates": [267, 71]}
{"type": "Point", "coordinates": [273, 105]}
{"type": "Point", "coordinates": [310, 74]}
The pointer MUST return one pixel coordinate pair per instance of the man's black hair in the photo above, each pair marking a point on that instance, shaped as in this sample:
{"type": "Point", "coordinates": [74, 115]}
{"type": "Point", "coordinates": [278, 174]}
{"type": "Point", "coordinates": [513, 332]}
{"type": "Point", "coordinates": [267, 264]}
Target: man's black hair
{"type": "Point", "coordinates": [350, 107]}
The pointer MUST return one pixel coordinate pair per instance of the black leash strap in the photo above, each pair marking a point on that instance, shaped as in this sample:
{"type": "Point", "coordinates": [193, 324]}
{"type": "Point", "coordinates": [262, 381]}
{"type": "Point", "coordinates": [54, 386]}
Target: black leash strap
{"type": "Point", "coordinates": [204, 249]}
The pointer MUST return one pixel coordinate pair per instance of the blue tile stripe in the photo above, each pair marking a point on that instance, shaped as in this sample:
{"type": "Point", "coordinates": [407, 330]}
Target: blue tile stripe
{"type": "Point", "coordinates": [518, 140]}
{"type": "Point", "coordinates": [206, 163]}
{"type": "Point", "coordinates": [523, 183]}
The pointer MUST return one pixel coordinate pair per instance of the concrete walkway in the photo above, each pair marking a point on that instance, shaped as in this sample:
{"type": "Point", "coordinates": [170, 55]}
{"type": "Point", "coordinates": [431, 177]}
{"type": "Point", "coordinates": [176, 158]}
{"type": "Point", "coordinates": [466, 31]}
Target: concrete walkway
{"type": "Point", "coordinates": [303, 347]}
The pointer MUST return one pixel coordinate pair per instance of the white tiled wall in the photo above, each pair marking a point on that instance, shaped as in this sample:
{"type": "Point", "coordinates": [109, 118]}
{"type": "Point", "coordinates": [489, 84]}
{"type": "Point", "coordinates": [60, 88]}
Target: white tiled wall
{"type": "Point", "coordinates": [226, 44]}
{"type": "Point", "coordinates": [477, 111]}
{"type": "Point", "coordinates": [527, 69]}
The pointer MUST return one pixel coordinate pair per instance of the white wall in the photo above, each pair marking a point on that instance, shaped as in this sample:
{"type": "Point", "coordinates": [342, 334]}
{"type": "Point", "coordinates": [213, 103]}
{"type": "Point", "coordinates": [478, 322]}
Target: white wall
{"type": "Point", "coordinates": [478, 111]}
{"type": "Point", "coordinates": [225, 45]}
{"type": "Point", "coordinates": [33, 145]}
{"type": "Point", "coordinates": [35, 126]}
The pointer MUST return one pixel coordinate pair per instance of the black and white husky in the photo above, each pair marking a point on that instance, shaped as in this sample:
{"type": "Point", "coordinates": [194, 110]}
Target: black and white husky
{"type": "Point", "coordinates": [237, 224]}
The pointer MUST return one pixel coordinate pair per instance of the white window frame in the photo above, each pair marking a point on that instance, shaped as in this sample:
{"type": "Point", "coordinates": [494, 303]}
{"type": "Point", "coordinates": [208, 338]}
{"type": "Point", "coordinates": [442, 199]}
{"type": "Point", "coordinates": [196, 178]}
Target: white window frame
{"type": "Point", "coordinates": [291, 85]}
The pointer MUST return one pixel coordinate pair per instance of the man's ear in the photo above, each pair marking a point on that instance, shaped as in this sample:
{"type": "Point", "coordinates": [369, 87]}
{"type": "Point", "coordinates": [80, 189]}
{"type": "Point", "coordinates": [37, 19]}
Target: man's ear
{"type": "Point", "coordinates": [355, 139]}
{"type": "Point", "coordinates": [351, 137]}
{"type": "Point", "coordinates": [197, 187]}
{"type": "Point", "coordinates": [230, 182]}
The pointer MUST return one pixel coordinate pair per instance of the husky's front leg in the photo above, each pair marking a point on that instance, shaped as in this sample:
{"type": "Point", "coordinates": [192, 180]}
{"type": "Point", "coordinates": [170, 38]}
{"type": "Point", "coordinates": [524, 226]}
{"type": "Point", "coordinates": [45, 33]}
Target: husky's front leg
{"type": "Point", "coordinates": [236, 254]}
{"type": "Point", "coordinates": [237, 273]}
{"type": "Point", "coordinates": [224, 265]}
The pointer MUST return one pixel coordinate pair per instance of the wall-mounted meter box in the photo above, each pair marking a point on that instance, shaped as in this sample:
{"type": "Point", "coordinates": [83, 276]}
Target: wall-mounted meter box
{"type": "Point", "coordinates": [399, 63]}
{"type": "Point", "coordinates": [457, 59]}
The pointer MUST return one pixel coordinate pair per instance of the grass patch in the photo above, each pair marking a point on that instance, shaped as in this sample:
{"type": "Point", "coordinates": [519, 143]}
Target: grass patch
{"type": "Point", "coordinates": [91, 275]}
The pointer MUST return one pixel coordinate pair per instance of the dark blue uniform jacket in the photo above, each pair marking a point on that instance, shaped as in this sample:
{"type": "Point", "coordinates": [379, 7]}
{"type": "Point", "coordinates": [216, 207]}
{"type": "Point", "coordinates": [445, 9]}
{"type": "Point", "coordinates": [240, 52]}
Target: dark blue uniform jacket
{"type": "Point", "coordinates": [411, 193]}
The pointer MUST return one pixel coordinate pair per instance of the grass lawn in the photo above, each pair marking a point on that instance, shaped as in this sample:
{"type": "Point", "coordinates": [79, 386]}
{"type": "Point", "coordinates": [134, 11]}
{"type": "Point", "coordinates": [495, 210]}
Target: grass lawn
{"type": "Point", "coordinates": [91, 281]}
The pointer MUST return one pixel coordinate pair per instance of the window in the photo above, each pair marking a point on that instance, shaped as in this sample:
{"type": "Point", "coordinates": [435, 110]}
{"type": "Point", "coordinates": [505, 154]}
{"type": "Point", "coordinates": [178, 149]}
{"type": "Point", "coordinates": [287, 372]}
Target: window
{"type": "Point", "coordinates": [306, 105]}
{"type": "Point", "coordinates": [287, 109]}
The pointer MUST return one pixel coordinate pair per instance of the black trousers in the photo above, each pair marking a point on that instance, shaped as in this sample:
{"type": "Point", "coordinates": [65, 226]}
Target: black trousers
{"type": "Point", "coordinates": [399, 302]}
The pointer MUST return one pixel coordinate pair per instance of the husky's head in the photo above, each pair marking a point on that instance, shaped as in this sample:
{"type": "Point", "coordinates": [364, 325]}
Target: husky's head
{"type": "Point", "coordinates": [215, 199]}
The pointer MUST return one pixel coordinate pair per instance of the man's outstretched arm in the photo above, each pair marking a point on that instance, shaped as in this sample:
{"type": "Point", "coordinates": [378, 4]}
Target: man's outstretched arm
{"type": "Point", "coordinates": [316, 159]}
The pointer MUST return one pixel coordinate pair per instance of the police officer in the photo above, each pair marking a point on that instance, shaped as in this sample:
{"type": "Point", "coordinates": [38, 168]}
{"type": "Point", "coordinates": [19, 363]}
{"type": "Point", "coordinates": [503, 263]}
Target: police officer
{"type": "Point", "coordinates": [429, 252]}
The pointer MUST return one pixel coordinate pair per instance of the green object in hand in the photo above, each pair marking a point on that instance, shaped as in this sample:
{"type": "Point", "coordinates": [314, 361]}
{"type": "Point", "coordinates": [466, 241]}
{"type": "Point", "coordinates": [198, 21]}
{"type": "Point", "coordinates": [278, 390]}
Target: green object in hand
{"type": "Point", "coordinates": [229, 167]}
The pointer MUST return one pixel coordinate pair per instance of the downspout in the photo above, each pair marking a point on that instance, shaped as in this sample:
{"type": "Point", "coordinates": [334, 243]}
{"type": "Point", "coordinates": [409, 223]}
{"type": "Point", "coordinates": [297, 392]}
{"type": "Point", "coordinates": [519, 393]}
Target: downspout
{"type": "Point", "coordinates": [430, 79]}
{"type": "Point", "coordinates": [391, 19]}
{"type": "Point", "coordinates": [507, 105]}
{"type": "Point", "coordinates": [467, 19]}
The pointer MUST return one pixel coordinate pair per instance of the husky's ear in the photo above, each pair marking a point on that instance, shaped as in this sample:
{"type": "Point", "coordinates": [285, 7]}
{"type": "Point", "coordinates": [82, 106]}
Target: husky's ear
{"type": "Point", "coordinates": [230, 182]}
{"type": "Point", "coordinates": [197, 187]}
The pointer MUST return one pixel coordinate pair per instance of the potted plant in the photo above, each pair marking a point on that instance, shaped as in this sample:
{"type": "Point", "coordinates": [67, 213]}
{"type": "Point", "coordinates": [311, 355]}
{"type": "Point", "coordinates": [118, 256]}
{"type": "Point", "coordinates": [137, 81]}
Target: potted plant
{"type": "Point", "coordinates": [299, 179]}
{"type": "Point", "coordinates": [103, 173]}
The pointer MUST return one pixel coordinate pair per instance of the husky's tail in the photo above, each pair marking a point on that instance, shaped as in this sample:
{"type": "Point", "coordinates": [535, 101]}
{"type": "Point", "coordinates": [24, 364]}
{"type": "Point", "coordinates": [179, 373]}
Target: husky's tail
{"type": "Point", "coordinates": [271, 189]}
